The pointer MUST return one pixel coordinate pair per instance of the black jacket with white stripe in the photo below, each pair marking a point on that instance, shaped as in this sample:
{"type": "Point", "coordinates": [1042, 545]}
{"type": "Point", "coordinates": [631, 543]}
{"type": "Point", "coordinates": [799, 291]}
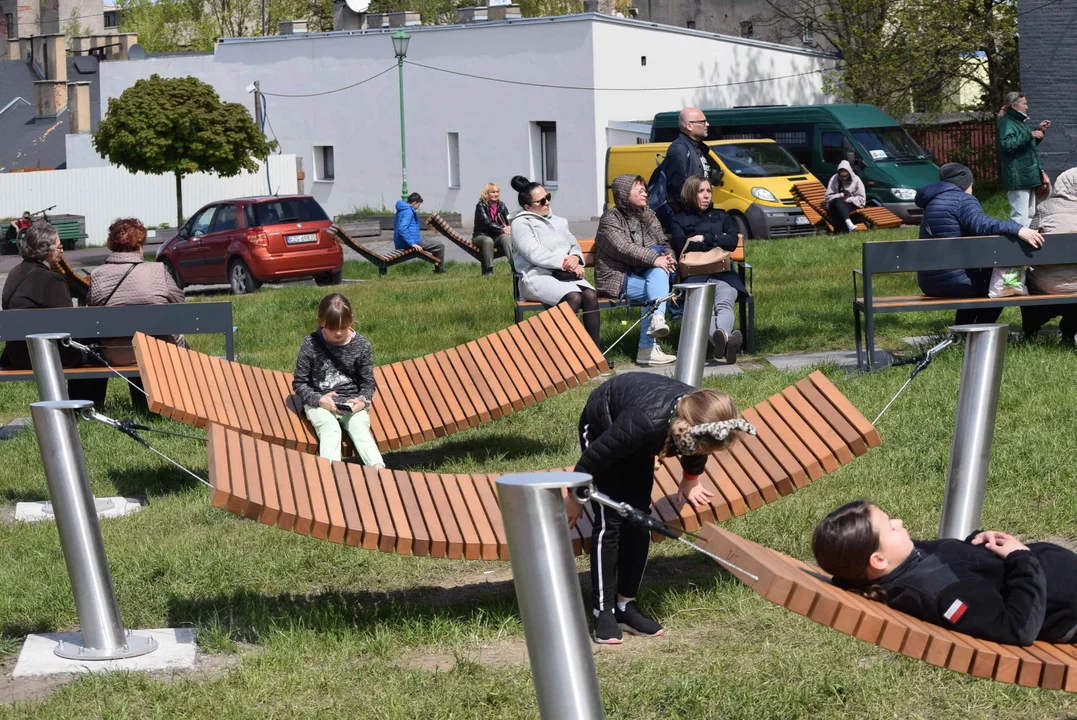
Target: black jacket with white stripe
{"type": "Point", "coordinates": [625, 424]}
{"type": "Point", "coordinates": [1029, 595]}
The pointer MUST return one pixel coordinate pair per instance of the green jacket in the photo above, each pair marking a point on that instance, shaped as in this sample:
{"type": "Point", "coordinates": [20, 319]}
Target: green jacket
{"type": "Point", "coordinates": [1018, 161]}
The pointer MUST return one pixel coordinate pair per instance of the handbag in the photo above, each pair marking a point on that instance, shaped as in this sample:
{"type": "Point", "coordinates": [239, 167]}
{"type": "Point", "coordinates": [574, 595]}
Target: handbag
{"type": "Point", "coordinates": [708, 262]}
{"type": "Point", "coordinates": [565, 276]}
{"type": "Point", "coordinates": [1043, 191]}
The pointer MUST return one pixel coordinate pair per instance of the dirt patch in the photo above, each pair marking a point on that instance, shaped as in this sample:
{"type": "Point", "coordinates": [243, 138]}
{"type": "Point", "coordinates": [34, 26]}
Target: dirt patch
{"type": "Point", "coordinates": [1067, 543]}
{"type": "Point", "coordinates": [207, 666]}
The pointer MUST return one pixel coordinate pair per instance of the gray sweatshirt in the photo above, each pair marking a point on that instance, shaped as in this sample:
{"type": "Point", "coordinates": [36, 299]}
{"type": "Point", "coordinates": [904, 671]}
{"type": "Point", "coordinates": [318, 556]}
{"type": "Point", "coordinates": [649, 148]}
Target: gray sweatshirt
{"type": "Point", "coordinates": [316, 374]}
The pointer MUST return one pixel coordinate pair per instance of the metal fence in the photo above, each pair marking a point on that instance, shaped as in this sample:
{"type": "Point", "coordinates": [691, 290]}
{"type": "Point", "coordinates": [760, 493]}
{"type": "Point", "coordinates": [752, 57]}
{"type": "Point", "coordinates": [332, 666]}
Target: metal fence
{"type": "Point", "coordinates": [969, 143]}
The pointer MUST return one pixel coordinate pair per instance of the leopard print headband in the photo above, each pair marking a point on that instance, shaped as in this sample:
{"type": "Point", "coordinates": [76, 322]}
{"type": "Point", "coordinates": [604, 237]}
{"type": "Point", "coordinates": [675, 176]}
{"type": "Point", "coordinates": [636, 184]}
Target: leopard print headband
{"type": "Point", "coordinates": [687, 442]}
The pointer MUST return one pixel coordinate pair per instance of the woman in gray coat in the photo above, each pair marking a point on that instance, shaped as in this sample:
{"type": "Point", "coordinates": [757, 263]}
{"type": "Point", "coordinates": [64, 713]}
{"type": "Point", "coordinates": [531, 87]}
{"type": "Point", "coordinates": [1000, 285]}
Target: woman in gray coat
{"type": "Point", "coordinates": [548, 257]}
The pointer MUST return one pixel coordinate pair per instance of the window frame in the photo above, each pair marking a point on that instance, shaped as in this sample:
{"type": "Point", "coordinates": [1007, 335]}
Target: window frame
{"type": "Point", "coordinates": [321, 164]}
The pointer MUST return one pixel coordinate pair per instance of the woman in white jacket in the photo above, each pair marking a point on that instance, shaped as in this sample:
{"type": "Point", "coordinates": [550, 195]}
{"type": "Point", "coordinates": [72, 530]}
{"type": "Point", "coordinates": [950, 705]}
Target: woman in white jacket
{"type": "Point", "coordinates": [1056, 214]}
{"type": "Point", "coordinates": [844, 195]}
{"type": "Point", "coordinates": [548, 257]}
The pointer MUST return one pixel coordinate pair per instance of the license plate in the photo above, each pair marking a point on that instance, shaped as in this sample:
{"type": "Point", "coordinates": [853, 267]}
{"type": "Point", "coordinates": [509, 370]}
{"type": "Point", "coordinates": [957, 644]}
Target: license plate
{"type": "Point", "coordinates": [300, 239]}
{"type": "Point", "coordinates": [802, 220]}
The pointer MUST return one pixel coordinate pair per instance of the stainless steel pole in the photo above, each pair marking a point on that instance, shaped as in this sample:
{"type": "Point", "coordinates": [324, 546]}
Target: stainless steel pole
{"type": "Point", "coordinates": [548, 591]}
{"type": "Point", "coordinates": [974, 428]}
{"type": "Point", "coordinates": [695, 332]}
{"type": "Point", "coordinates": [45, 360]}
{"type": "Point", "coordinates": [103, 636]}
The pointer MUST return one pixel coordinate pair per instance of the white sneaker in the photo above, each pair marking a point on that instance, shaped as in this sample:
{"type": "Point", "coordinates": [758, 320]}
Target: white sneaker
{"type": "Point", "coordinates": [851, 225]}
{"type": "Point", "coordinates": [653, 355]}
{"type": "Point", "coordinates": [658, 328]}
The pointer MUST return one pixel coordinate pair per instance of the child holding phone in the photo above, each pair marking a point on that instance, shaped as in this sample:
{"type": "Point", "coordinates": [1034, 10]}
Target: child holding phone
{"type": "Point", "coordinates": [334, 377]}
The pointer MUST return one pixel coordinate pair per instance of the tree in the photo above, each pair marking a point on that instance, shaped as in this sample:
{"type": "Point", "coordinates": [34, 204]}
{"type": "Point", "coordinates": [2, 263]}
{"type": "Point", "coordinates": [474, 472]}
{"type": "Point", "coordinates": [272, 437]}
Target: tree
{"type": "Point", "coordinates": [179, 126]}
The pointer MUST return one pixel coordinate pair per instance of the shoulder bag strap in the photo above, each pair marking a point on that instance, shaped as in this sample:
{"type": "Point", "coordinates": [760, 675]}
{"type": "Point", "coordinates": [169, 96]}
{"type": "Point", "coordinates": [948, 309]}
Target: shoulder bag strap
{"type": "Point", "coordinates": [117, 286]}
{"type": "Point", "coordinates": [331, 354]}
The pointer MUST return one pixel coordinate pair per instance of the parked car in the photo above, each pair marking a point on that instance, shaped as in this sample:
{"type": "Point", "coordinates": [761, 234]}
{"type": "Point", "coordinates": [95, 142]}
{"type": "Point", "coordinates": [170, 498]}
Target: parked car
{"type": "Point", "coordinates": [249, 241]}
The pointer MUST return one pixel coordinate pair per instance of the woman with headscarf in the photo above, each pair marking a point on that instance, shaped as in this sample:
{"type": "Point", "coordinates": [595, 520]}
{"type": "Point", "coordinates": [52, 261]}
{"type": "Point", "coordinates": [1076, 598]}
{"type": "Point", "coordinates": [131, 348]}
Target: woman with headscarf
{"type": "Point", "coordinates": [1056, 214]}
{"type": "Point", "coordinates": [844, 195]}
{"type": "Point", "coordinates": [634, 260]}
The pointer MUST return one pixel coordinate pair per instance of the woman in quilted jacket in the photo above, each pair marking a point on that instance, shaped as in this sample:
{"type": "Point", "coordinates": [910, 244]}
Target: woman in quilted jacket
{"type": "Point", "coordinates": [629, 424]}
{"type": "Point", "coordinates": [1018, 157]}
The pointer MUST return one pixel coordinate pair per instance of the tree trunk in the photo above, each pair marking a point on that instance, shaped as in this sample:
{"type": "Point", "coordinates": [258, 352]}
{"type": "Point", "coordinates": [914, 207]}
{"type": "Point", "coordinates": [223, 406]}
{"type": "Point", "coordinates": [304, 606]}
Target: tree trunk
{"type": "Point", "coordinates": [179, 200]}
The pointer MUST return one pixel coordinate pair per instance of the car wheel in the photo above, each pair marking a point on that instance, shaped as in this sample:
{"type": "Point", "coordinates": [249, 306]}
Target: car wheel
{"type": "Point", "coordinates": [240, 278]}
{"type": "Point", "coordinates": [173, 274]}
{"type": "Point", "coordinates": [742, 226]}
{"type": "Point", "coordinates": [330, 278]}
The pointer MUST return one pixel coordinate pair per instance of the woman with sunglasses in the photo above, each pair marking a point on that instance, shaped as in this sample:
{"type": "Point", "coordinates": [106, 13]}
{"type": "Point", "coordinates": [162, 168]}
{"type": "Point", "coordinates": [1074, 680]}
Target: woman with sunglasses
{"type": "Point", "coordinates": [548, 257]}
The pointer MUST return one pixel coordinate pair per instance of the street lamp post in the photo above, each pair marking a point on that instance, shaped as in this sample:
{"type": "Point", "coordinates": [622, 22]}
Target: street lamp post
{"type": "Point", "coordinates": [400, 47]}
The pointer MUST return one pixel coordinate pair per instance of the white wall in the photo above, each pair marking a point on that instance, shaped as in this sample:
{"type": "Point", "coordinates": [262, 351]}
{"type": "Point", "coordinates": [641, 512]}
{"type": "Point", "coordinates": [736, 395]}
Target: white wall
{"type": "Point", "coordinates": [103, 194]}
{"type": "Point", "coordinates": [494, 120]}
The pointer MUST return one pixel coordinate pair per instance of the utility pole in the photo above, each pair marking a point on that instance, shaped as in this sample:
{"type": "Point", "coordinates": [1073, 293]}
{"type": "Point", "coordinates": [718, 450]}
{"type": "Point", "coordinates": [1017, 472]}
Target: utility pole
{"type": "Point", "coordinates": [258, 106]}
{"type": "Point", "coordinates": [263, 17]}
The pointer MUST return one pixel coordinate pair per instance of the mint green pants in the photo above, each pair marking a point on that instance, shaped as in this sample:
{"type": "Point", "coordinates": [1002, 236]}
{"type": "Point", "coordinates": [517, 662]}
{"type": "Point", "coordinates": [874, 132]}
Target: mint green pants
{"type": "Point", "coordinates": [328, 427]}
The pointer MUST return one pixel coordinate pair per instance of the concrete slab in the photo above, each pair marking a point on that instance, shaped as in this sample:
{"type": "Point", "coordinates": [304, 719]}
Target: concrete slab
{"type": "Point", "coordinates": [841, 358]}
{"type": "Point", "coordinates": [176, 650]}
{"type": "Point", "coordinates": [15, 427]}
{"type": "Point", "coordinates": [41, 510]}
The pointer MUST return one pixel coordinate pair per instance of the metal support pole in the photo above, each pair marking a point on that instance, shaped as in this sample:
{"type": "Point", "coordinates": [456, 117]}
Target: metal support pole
{"type": "Point", "coordinates": [974, 428]}
{"type": "Point", "coordinates": [103, 636]}
{"type": "Point", "coordinates": [403, 147]}
{"type": "Point", "coordinates": [548, 592]}
{"type": "Point", "coordinates": [695, 332]}
{"type": "Point", "coordinates": [45, 360]}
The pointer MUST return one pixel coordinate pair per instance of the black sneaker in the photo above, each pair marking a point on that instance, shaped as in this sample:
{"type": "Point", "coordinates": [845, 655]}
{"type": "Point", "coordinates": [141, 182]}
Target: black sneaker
{"type": "Point", "coordinates": [732, 347]}
{"type": "Point", "coordinates": [719, 339]}
{"type": "Point", "coordinates": [631, 620]}
{"type": "Point", "coordinates": [606, 630]}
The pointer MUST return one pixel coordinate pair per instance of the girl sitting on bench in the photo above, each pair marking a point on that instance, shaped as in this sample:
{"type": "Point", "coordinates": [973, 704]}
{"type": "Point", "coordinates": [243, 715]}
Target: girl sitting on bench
{"type": "Point", "coordinates": [990, 585]}
{"type": "Point", "coordinates": [334, 376]}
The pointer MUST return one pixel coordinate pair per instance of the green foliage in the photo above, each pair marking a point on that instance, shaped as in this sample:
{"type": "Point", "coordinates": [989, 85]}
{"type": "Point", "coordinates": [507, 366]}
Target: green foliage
{"type": "Point", "coordinates": [167, 25]}
{"type": "Point", "coordinates": [444, 11]}
{"type": "Point", "coordinates": [550, 8]}
{"type": "Point", "coordinates": [73, 28]}
{"type": "Point", "coordinates": [317, 13]}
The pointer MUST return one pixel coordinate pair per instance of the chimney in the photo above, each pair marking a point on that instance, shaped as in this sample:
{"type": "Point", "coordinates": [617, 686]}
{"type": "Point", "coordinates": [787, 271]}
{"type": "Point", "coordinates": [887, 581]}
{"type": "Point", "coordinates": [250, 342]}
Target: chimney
{"type": "Point", "coordinates": [468, 15]}
{"type": "Point", "coordinates": [503, 12]}
{"type": "Point", "coordinates": [78, 107]}
{"type": "Point", "coordinates": [404, 19]}
{"type": "Point", "coordinates": [50, 97]}
{"type": "Point", "coordinates": [127, 40]}
{"type": "Point", "coordinates": [292, 27]}
{"type": "Point", "coordinates": [50, 56]}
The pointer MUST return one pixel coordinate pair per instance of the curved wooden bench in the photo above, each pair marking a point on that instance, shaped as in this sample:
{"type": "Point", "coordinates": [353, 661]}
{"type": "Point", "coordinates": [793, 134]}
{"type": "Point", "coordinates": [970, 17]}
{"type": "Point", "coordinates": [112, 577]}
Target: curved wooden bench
{"type": "Point", "coordinates": [805, 431]}
{"type": "Point", "coordinates": [806, 590]}
{"type": "Point", "coordinates": [417, 400]}
{"type": "Point", "coordinates": [383, 262]}
{"type": "Point", "coordinates": [437, 223]}
{"type": "Point", "coordinates": [811, 197]}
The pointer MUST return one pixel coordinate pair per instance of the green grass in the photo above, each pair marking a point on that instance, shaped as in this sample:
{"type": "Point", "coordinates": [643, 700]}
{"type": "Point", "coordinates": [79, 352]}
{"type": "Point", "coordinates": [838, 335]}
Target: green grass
{"type": "Point", "coordinates": [320, 630]}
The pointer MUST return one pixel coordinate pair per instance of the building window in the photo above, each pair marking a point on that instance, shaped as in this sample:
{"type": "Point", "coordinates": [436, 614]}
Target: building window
{"type": "Point", "coordinates": [323, 163]}
{"type": "Point", "coordinates": [746, 29]}
{"type": "Point", "coordinates": [691, 24]}
{"type": "Point", "coordinates": [112, 19]}
{"type": "Point", "coordinates": [454, 159]}
{"type": "Point", "coordinates": [548, 153]}
{"type": "Point", "coordinates": [809, 32]}
{"type": "Point", "coordinates": [9, 25]}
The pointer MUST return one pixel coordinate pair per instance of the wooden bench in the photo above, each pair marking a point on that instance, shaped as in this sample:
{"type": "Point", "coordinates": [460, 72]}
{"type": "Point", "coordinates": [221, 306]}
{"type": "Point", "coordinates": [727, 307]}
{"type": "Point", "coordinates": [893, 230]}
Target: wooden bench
{"type": "Point", "coordinates": [587, 245]}
{"type": "Point", "coordinates": [383, 262]}
{"type": "Point", "coordinates": [437, 223]}
{"type": "Point", "coordinates": [69, 228]}
{"type": "Point", "coordinates": [811, 197]}
{"type": "Point", "coordinates": [894, 256]}
{"type": "Point", "coordinates": [807, 591]}
{"type": "Point", "coordinates": [89, 324]}
{"type": "Point", "coordinates": [417, 400]}
{"type": "Point", "coordinates": [805, 431]}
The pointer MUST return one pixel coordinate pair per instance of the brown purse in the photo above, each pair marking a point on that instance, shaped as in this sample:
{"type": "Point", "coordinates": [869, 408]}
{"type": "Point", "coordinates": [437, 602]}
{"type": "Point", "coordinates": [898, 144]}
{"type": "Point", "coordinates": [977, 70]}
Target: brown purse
{"type": "Point", "coordinates": [708, 262]}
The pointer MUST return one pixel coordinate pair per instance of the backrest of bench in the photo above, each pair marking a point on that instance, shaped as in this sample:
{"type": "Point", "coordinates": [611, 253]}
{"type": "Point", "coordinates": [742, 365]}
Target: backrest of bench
{"type": "Point", "coordinates": [119, 321]}
{"type": "Point", "coordinates": [892, 256]}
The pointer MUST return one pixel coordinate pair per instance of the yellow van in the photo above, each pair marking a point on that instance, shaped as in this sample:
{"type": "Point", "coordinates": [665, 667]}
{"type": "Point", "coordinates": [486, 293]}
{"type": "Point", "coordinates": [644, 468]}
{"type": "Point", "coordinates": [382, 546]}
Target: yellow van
{"type": "Point", "coordinates": [756, 188]}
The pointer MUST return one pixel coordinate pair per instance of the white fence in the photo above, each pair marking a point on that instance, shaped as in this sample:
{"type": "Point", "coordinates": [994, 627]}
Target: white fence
{"type": "Point", "coordinates": [103, 194]}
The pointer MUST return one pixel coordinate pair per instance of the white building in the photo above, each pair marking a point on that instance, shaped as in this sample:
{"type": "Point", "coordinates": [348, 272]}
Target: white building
{"type": "Point", "coordinates": [541, 97]}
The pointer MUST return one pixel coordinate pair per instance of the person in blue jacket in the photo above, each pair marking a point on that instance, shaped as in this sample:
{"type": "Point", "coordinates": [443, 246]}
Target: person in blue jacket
{"type": "Point", "coordinates": [406, 230]}
{"type": "Point", "coordinates": [950, 211]}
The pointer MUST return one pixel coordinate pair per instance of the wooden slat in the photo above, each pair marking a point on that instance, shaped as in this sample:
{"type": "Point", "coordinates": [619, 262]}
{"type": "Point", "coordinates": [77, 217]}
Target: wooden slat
{"type": "Point", "coordinates": [842, 404]}
{"type": "Point", "coordinates": [237, 504]}
{"type": "Point", "coordinates": [789, 439]}
{"type": "Point", "coordinates": [435, 533]}
{"type": "Point", "coordinates": [818, 424]}
{"type": "Point", "coordinates": [285, 493]}
{"type": "Point", "coordinates": [296, 431]}
{"type": "Point", "coordinates": [406, 424]}
{"type": "Point", "coordinates": [221, 397]}
{"type": "Point", "coordinates": [304, 511]}
{"type": "Point", "coordinates": [564, 344]}
{"type": "Point", "coordinates": [775, 447]}
{"type": "Point", "coordinates": [353, 527]}
{"type": "Point", "coordinates": [489, 374]}
{"type": "Point", "coordinates": [451, 385]}
{"type": "Point", "coordinates": [538, 371]}
{"type": "Point", "coordinates": [487, 543]}
{"type": "Point", "coordinates": [489, 399]}
{"type": "Point", "coordinates": [250, 475]}
{"type": "Point", "coordinates": [557, 350]}
{"type": "Point", "coordinates": [406, 532]}
{"type": "Point", "coordinates": [725, 486]}
{"type": "Point", "coordinates": [148, 370]}
{"type": "Point", "coordinates": [535, 342]}
{"type": "Point", "coordinates": [590, 354]}
{"type": "Point", "coordinates": [196, 401]}
{"type": "Point", "coordinates": [807, 435]}
{"type": "Point", "coordinates": [531, 392]}
{"type": "Point", "coordinates": [433, 408]}
{"type": "Point", "coordinates": [396, 433]}
{"type": "Point", "coordinates": [368, 537]}
{"type": "Point", "coordinates": [464, 522]}
{"type": "Point", "coordinates": [183, 397]}
{"type": "Point", "coordinates": [465, 379]}
{"type": "Point", "coordinates": [319, 529]}
{"type": "Point", "coordinates": [484, 486]}
{"type": "Point", "coordinates": [218, 466]}
{"type": "Point", "coordinates": [833, 418]}
{"type": "Point", "coordinates": [503, 369]}
{"type": "Point", "coordinates": [225, 373]}
{"type": "Point", "coordinates": [166, 374]}
{"type": "Point", "coordinates": [380, 427]}
{"type": "Point", "coordinates": [454, 539]}
{"type": "Point", "coordinates": [265, 389]}
{"type": "Point", "coordinates": [337, 524]}
{"type": "Point", "coordinates": [718, 508]}
{"type": "Point", "coordinates": [382, 512]}
{"type": "Point", "coordinates": [443, 400]}
{"type": "Point", "coordinates": [419, 424]}
{"type": "Point", "coordinates": [270, 500]}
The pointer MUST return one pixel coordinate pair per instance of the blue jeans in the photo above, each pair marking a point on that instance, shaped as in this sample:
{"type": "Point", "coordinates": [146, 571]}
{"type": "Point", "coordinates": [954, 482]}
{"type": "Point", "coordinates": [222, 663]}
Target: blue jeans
{"type": "Point", "coordinates": [647, 285]}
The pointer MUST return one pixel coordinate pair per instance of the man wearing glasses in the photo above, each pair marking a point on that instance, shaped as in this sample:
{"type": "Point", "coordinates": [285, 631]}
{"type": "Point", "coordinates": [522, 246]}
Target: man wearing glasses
{"type": "Point", "coordinates": [688, 156]}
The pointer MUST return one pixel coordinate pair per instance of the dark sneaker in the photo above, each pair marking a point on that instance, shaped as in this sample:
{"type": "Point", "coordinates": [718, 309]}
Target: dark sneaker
{"type": "Point", "coordinates": [720, 339]}
{"type": "Point", "coordinates": [606, 630]}
{"type": "Point", "coordinates": [732, 347]}
{"type": "Point", "coordinates": [631, 620]}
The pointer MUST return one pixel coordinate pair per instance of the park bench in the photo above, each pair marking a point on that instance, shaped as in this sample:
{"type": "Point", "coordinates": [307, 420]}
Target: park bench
{"type": "Point", "coordinates": [383, 262]}
{"type": "Point", "coordinates": [587, 245]}
{"type": "Point", "coordinates": [811, 197]}
{"type": "Point", "coordinates": [88, 324]}
{"type": "Point", "coordinates": [417, 400]}
{"type": "Point", "coordinates": [437, 223]}
{"type": "Point", "coordinates": [70, 229]}
{"type": "Point", "coordinates": [894, 256]}
{"type": "Point", "coordinates": [805, 431]}
{"type": "Point", "coordinates": [807, 591]}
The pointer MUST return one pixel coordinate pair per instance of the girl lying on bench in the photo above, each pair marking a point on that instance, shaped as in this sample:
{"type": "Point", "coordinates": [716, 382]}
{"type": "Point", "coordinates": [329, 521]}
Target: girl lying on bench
{"type": "Point", "coordinates": [989, 586]}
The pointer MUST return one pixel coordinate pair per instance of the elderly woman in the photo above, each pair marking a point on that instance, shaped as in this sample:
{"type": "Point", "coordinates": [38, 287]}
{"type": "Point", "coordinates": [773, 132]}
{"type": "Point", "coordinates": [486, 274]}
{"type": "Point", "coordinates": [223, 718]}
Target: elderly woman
{"type": "Point", "coordinates": [634, 260]}
{"type": "Point", "coordinates": [548, 257]}
{"type": "Point", "coordinates": [126, 278]}
{"type": "Point", "coordinates": [491, 227]}
{"type": "Point", "coordinates": [844, 195]}
{"type": "Point", "coordinates": [1056, 214]}
{"type": "Point", "coordinates": [700, 228]}
{"type": "Point", "coordinates": [1019, 160]}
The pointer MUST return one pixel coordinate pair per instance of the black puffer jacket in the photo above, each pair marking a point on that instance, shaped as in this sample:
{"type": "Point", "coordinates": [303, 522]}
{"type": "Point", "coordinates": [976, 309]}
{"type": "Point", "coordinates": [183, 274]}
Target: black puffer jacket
{"type": "Point", "coordinates": [485, 225]}
{"type": "Point", "coordinates": [625, 424]}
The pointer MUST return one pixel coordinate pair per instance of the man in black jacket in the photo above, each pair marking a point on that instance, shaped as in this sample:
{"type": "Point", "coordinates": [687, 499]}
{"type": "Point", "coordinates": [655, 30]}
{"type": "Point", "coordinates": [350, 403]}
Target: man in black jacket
{"type": "Point", "coordinates": [688, 155]}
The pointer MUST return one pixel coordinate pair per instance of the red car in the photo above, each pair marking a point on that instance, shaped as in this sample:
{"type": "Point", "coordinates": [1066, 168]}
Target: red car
{"type": "Point", "coordinates": [250, 241]}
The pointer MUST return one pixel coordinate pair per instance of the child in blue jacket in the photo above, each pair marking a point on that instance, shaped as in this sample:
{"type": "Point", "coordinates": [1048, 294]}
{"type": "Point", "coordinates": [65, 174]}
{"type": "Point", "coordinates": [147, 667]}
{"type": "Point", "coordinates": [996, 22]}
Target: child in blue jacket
{"type": "Point", "coordinates": [406, 229]}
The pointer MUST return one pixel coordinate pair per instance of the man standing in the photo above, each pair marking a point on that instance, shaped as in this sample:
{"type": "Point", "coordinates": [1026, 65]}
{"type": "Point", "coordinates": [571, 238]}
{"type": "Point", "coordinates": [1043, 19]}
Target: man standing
{"type": "Point", "coordinates": [1018, 159]}
{"type": "Point", "coordinates": [688, 156]}
{"type": "Point", "coordinates": [406, 230]}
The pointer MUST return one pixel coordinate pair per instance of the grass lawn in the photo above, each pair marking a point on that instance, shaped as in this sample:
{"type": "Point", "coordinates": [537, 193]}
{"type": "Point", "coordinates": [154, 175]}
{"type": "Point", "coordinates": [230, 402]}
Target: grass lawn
{"type": "Point", "coordinates": [298, 627]}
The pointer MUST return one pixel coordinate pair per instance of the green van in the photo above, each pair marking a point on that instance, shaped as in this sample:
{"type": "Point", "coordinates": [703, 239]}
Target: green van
{"type": "Point", "coordinates": [891, 164]}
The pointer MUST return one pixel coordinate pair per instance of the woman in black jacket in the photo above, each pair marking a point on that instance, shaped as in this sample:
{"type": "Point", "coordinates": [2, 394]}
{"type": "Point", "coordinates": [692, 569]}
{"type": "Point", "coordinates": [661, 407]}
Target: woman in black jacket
{"type": "Point", "coordinates": [990, 585]}
{"type": "Point", "coordinates": [629, 422]}
{"type": "Point", "coordinates": [491, 227]}
{"type": "Point", "coordinates": [698, 228]}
